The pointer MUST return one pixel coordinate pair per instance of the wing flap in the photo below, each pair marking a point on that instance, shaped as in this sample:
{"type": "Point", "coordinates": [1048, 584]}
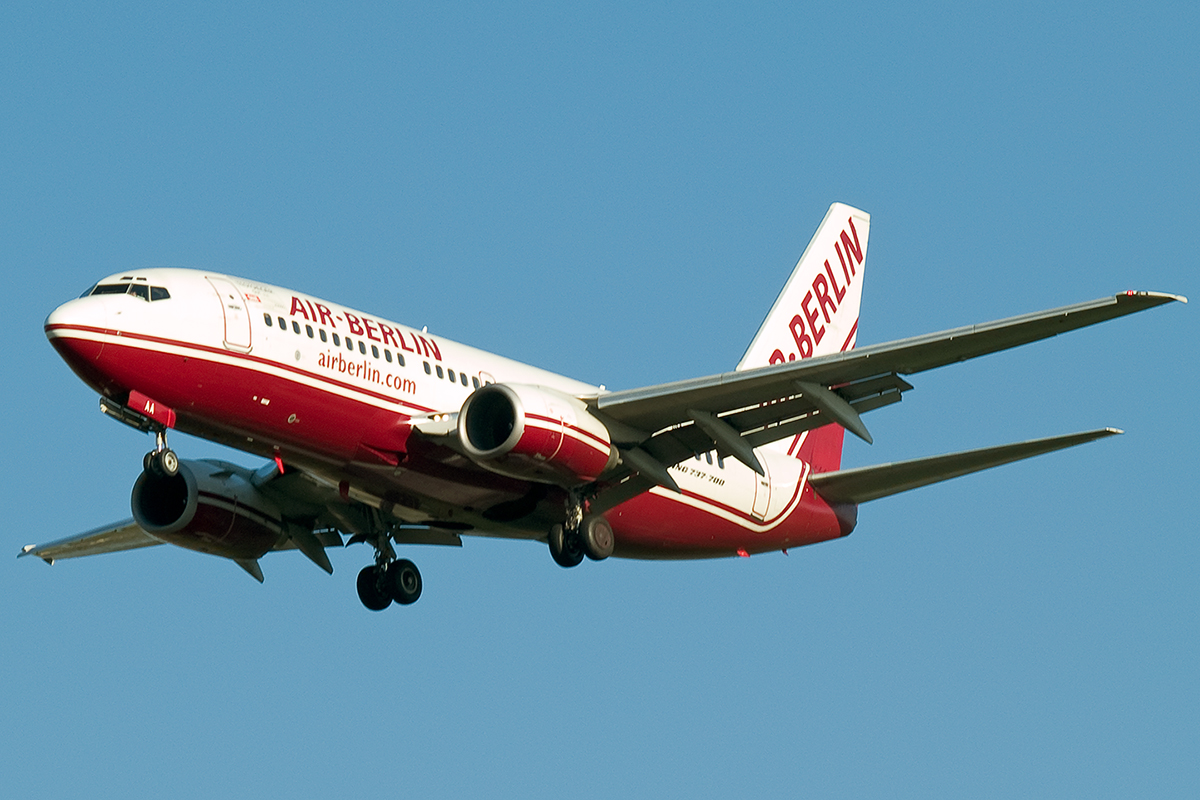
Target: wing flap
{"type": "Point", "coordinates": [125, 535]}
{"type": "Point", "coordinates": [871, 483]}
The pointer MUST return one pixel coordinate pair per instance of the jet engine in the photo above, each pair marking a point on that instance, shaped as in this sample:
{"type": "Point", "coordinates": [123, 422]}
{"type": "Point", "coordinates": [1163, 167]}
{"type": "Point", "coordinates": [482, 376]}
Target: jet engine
{"type": "Point", "coordinates": [210, 506]}
{"type": "Point", "coordinates": [534, 433]}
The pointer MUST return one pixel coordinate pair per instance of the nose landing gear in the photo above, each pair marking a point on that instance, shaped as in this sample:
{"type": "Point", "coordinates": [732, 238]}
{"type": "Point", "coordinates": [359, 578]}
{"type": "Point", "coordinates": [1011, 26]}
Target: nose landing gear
{"type": "Point", "coordinates": [161, 460]}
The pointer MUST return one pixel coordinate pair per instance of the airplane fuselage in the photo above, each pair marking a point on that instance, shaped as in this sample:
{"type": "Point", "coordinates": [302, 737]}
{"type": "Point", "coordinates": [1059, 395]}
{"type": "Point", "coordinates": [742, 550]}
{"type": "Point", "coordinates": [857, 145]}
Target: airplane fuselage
{"type": "Point", "coordinates": [334, 392]}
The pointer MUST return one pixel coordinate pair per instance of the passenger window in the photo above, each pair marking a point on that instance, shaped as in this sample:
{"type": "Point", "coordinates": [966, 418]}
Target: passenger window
{"type": "Point", "coordinates": [349, 344]}
{"type": "Point", "coordinates": [475, 381]}
{"type": "Point", "coordinates": [267, 319]}
{"type": "Point", "coordinates": [388, 355]}
{"type": "Point", "coordinates": [282, 324]}
{"type": "Point", "coordinates": [337, 340]}
{"type": "Point", "coordinates": [375, 351]}
{"type": "Point", "coordinates": [362, 348]}
{"type": "Point", "coordinates": [428, 371]}
{"type": "Point", "coordinates": [708, 458]}
{"type": "Point", "coordinates": [400, 359]}
{"type": "Point", "coordinates": [439, 371]}
{"type": "Point", "coordinates": [159, 293]}
{"type": "Point", "coordinates": [463, 375]}
{"type": "Point", "coordinates": [296, 326]}
{"type": "Point", "coordinates": [450, 375]}
{"type": "Point", "coordinates": [308, 329]}
{"type": "Point", "coordinates": [324, 338]}
{"type": "Point", "coordinates": [720, 461]}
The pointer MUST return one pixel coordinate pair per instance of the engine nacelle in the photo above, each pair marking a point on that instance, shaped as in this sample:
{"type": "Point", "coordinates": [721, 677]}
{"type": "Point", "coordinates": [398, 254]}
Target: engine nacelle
{"type": "Point", "coordinates": [534, 433]}
{"type": "Point", "coordinates": [209, 506]}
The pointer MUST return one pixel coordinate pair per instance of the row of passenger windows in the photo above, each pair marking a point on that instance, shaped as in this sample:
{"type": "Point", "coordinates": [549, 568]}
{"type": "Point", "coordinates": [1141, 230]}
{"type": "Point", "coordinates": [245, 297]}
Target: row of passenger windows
{"type": "Point", "coordinates": [448, 374]}
{"type": "Point", "coordinates": [375, 350]}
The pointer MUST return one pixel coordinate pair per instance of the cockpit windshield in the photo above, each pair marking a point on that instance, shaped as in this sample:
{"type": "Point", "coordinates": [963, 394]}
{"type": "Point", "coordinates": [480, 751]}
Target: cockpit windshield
{"type": "Point", "coordinates": [142, 290]}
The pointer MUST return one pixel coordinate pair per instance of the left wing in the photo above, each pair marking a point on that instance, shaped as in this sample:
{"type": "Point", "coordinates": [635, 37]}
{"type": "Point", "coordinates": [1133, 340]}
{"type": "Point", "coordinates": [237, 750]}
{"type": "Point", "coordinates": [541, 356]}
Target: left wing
{"type": "Point", "coordinates": [125, 535]}
{"type": "Point", "coordinates": [734, 412]}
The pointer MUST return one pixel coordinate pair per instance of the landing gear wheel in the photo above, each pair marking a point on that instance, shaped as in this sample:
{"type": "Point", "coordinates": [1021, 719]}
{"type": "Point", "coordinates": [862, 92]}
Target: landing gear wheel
{"type": "Point", "coordinates": [564, 548]}
{"type": "Point", "coordinates": [370, 591]}
{"type": "Point", "coordinates": [168, 463]}
{"type": "Point", "coordinates": [596, 538]}
{"type": "Point", "coordinates": [403, 581]}
{"type": "Point", "coordinates": [163, 463]}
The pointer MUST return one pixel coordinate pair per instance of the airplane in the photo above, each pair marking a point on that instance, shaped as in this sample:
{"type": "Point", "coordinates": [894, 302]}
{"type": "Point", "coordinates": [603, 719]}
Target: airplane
{"type": "Point", "coordinates": [379, 433]}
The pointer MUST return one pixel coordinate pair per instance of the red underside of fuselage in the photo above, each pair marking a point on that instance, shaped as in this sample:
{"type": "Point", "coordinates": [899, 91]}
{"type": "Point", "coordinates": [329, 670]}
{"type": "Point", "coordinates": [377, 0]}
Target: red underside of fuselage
{"type": "Point", "coordinates": [307, 425]}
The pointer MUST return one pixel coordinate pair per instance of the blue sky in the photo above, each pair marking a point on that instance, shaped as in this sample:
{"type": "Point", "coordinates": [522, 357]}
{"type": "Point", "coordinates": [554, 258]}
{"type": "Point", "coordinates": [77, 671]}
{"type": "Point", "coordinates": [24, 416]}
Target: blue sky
{"type": "Point", "coordinates": [618, 193]}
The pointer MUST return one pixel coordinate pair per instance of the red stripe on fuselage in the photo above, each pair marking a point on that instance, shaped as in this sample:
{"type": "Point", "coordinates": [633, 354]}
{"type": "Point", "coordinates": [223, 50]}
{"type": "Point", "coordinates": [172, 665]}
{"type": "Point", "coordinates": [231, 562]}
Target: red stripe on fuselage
{"type": "Point", "coordinates": [600, 444]}
{"type": "Point", "coordinates": [234, 355]}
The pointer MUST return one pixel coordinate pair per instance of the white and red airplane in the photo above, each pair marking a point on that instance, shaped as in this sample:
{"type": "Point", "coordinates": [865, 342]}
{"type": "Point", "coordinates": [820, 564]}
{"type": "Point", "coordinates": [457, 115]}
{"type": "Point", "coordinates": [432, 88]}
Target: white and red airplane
{"type": "Point", "coordinates": [392, 436]}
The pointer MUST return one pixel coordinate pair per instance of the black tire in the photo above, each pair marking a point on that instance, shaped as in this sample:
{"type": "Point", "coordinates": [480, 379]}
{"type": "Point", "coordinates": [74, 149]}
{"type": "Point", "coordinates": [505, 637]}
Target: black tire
{"type": "Point", "coordinates": [403, 582]}
{"type": "Point", "coordinates": [369, 591]}
{"type": "Point", "coordinates": [565, 552]}
{"type": "Point", "coordinates": [597, 538]}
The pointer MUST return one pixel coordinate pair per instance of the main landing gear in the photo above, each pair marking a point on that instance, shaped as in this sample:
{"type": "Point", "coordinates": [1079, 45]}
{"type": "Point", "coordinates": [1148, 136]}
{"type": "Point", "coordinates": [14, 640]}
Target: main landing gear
{"type": "Point", "coordinates": [389, 579]}
{"type": "Point", "coordinates": [582, 535]}
{"type": "Point", "coordinates": [380, 585]}
{"type": "Point", "coordinates": [162, 460]}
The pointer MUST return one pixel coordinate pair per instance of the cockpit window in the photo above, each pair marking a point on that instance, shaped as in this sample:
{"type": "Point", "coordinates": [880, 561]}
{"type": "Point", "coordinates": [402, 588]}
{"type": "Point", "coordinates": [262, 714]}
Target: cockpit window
{"type": "Point", "coordinates": [147, 293]}
{"type": "Point", "coordinates": [111, 288]}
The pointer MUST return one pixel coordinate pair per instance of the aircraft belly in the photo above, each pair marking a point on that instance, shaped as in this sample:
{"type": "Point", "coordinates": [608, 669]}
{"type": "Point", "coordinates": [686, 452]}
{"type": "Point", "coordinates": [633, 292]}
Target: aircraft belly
{"type": "Point", "coordinates": [662, 524]}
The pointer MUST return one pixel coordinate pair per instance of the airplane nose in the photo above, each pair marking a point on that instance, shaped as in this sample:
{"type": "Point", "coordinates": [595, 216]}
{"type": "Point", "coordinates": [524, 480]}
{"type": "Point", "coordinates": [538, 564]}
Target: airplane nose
{"type": "Point", "coordinates": [75, 329]}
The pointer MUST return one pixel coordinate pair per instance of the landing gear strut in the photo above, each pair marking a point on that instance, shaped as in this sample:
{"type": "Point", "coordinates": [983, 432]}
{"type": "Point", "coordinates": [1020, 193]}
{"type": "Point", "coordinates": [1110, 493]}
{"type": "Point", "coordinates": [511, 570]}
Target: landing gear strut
{"type": "Point", "coordinates": [589, 535]}
{"type": "Point", "coordinates": [161, 460]}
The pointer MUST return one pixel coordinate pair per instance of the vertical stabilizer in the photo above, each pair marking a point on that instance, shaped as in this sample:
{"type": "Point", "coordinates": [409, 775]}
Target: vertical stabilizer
{"type": "Point", "coordinates": [817, 314]}
{"type": "Point", "coordinates": [817, 311]}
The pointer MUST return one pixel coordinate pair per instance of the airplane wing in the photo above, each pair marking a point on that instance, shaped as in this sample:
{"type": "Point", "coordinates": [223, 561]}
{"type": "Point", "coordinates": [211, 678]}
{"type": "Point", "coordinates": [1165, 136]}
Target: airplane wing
{"type": "Point", "coordinates": [871, 483]}
{"type": "Point", "coordinates": [658, 426]}
{"type": "Point", "coordinates": [125, 535]}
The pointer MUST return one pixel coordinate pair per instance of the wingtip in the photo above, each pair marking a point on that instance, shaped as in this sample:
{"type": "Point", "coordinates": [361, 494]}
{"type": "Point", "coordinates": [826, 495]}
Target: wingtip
{"type": "Point", "coordinates": [31, 550]}
{"type": "Point", "coordinates": [1162, 297]}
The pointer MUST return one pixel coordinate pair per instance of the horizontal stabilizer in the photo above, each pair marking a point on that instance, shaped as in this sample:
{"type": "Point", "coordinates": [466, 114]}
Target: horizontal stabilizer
{"type": "Point", "coordinates": [871, 483]}
{"type": "Point", "coordinates": [125, 535]}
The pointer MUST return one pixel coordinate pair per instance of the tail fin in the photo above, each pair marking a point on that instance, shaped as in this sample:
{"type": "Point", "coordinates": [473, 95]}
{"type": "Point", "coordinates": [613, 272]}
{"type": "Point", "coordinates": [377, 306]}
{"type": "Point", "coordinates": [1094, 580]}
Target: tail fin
{"type": "Point", "coordinates": [817, 314]}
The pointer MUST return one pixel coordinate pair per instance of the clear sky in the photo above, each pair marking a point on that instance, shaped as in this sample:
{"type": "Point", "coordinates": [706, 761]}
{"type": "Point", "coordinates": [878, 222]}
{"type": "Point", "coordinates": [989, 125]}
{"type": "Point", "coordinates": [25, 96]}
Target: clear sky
{"type": "Point", "coordinates": [618, 193]}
